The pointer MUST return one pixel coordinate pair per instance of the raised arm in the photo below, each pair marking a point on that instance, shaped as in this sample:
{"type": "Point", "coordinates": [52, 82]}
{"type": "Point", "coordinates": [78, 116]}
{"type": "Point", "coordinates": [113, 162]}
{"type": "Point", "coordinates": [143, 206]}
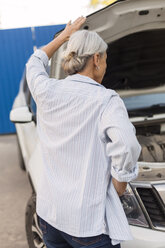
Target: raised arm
{"type": "Point", "coordinates": [36, 68]}
{"type": "Point", "coordinates": [70, 28]}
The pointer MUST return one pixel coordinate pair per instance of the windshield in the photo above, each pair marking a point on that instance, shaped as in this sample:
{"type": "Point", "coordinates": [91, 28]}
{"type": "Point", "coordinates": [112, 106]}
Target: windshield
{"type": "Point", "coordinates": [143, 101]}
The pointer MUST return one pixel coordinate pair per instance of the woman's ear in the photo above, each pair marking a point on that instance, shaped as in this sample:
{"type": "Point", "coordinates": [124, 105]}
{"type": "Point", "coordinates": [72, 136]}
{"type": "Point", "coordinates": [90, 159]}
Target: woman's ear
{"type": "Point", "coordinates": [96, 60]}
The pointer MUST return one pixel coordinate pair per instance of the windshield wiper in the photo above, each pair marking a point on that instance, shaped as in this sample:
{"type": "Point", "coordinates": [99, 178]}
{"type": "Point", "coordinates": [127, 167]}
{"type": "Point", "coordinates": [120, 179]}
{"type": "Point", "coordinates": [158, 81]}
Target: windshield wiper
{"type": "Point", "coordinates": [148, 111]}
{"type": "Point", "coordinates": [157, 106]}
{"type": "Point", "coordinates": [133, 113]}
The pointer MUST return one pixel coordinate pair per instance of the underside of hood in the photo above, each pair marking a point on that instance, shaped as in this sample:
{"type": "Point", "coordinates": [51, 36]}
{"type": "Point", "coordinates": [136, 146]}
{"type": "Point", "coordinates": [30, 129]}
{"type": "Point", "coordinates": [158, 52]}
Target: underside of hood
{"type": "Point", "coordinates": [135, 33]}
{"type": "Point", "coordinates": [126, 17]}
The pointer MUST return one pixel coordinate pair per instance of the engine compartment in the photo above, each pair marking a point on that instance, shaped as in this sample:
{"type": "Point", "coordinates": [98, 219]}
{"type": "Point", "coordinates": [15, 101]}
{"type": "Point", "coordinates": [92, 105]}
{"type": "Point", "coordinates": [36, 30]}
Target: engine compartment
{"type": "Point", "coordinates": [152, 143]}
{"type": "Point", "coordinates": [152, 158]}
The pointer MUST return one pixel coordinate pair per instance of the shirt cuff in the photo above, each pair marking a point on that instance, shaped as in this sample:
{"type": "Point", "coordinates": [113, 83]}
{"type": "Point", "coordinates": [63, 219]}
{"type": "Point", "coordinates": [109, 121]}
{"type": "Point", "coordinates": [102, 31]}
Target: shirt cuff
{"type": "Point", "coordinates": [125, 176]}
{"type": "Point", "coordinates": [42, 55]}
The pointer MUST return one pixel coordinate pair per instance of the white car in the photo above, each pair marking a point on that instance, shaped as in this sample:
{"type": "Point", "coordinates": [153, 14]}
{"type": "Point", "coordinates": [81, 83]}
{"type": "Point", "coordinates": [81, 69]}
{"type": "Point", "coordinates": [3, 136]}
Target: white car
{"type": "Point", "coordinates": [135, 33]}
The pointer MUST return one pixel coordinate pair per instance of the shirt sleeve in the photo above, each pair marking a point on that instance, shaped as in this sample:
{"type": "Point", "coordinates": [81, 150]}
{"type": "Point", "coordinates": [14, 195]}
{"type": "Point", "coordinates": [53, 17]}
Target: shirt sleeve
{"type": "Point", "coordinates": [36, 74]}
{"type": "Point", "coordinates": [121, 145]}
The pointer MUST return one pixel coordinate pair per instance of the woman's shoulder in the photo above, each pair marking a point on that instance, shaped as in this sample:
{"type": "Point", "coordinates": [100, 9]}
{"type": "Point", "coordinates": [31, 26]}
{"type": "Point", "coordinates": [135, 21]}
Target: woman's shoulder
{"type": "Point", "coordinates": [109, 93]}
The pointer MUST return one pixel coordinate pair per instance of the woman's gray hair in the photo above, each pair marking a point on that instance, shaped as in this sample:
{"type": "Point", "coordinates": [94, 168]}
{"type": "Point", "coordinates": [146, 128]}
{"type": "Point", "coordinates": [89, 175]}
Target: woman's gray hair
{"type": "Point", "coordinates": [81, 46]}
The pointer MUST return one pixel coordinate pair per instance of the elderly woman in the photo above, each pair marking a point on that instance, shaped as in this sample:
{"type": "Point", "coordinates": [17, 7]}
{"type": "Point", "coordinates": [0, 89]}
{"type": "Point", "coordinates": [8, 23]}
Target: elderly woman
{"type": "Point", "coordinates": [89, 147]}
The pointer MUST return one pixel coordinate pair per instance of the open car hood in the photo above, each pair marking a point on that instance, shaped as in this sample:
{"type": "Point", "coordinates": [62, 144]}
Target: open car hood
{"type": "Point", "coordinates": [125, 17]}
{"type": "Point", "coordinates": [135, 33]}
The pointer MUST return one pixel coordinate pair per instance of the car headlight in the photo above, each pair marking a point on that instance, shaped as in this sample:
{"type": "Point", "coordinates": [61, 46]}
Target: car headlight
{"type": "Point", "coordinates": [132, 209]}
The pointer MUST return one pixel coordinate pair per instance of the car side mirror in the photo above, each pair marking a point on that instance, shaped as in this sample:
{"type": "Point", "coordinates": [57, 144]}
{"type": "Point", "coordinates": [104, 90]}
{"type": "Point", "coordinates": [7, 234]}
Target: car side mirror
{"type": "Point", "coordinates": [21, 115]}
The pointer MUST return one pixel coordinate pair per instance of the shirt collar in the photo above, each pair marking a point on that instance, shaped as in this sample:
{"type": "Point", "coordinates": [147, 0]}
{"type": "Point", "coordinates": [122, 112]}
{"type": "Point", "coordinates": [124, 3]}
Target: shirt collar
{"type": "Point", "coordinates": [83, 79]}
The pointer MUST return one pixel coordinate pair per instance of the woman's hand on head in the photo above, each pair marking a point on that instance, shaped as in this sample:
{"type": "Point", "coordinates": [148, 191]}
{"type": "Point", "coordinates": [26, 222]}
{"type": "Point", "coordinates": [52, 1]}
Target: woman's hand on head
{"type": "Point", "coordinates": [72, 27]}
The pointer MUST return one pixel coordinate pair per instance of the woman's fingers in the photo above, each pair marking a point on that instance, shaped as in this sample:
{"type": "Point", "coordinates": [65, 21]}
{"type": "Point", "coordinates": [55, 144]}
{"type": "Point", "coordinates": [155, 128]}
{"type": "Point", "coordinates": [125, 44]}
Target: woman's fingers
{"type": "Point", "coordinates": [76, 24]}
{"type": "Point", "coordinates": [80, 20]}
{"type": "Point", "coordinates": [73, 27]}
{"type": "Point", "coordinates": [69, 23]}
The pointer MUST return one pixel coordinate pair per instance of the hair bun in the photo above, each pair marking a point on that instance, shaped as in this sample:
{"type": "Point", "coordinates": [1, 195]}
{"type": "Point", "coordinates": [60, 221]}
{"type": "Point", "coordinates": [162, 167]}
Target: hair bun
{"type": "Point", "coordinates": [71, 55]}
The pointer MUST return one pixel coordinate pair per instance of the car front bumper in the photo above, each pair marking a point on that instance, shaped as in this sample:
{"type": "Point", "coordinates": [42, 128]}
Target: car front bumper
{"type": "Point", "coordinates": [145, 238]}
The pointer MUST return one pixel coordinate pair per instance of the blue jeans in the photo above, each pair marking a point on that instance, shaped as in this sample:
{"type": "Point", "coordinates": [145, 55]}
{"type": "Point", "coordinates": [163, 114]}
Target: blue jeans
{"type": "Point", "coordinates": [54, 238]}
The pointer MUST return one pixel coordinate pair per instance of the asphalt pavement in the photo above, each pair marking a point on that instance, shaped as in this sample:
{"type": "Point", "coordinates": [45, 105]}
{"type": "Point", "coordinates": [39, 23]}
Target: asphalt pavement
{"type": "Point", "coordinates": [14, 193]}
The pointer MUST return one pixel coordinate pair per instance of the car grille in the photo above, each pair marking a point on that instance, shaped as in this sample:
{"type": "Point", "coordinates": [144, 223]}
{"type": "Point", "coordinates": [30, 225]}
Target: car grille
{"type": "Point", "coordinates": [154, 207]}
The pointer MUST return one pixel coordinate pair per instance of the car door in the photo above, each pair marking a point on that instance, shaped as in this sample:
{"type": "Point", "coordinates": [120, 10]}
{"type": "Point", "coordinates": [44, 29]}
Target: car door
{"type": "Point", "coordinates": [27, 134]}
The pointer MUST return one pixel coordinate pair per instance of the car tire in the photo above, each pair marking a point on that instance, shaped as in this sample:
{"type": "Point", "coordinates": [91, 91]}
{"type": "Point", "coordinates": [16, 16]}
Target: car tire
{"type": "Point", "coordinates": [20, 157]}
{"type": "Point", "coordinates": [33, 232]}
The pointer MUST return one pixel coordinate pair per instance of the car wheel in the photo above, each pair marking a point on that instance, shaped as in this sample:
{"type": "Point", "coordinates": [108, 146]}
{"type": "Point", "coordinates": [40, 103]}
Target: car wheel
{"type": "Point", "coordinates": [33, 232]}
{"type": "Point", "coordinates": [20, 157]}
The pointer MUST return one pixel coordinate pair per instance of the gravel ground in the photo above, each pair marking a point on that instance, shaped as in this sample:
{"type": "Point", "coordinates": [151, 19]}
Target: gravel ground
{"type": "Point", "coordinates": [14, 193]}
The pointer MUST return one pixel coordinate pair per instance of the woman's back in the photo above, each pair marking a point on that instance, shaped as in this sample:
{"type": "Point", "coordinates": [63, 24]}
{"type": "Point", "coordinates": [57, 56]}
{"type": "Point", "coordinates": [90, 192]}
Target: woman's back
{"type": "Point", "coordinates": [76, 172]}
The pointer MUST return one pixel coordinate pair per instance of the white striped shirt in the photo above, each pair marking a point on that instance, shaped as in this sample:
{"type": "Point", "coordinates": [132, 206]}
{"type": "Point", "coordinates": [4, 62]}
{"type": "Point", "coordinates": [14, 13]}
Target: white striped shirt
{"type": "Point", "coordinates": [86, 138]}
